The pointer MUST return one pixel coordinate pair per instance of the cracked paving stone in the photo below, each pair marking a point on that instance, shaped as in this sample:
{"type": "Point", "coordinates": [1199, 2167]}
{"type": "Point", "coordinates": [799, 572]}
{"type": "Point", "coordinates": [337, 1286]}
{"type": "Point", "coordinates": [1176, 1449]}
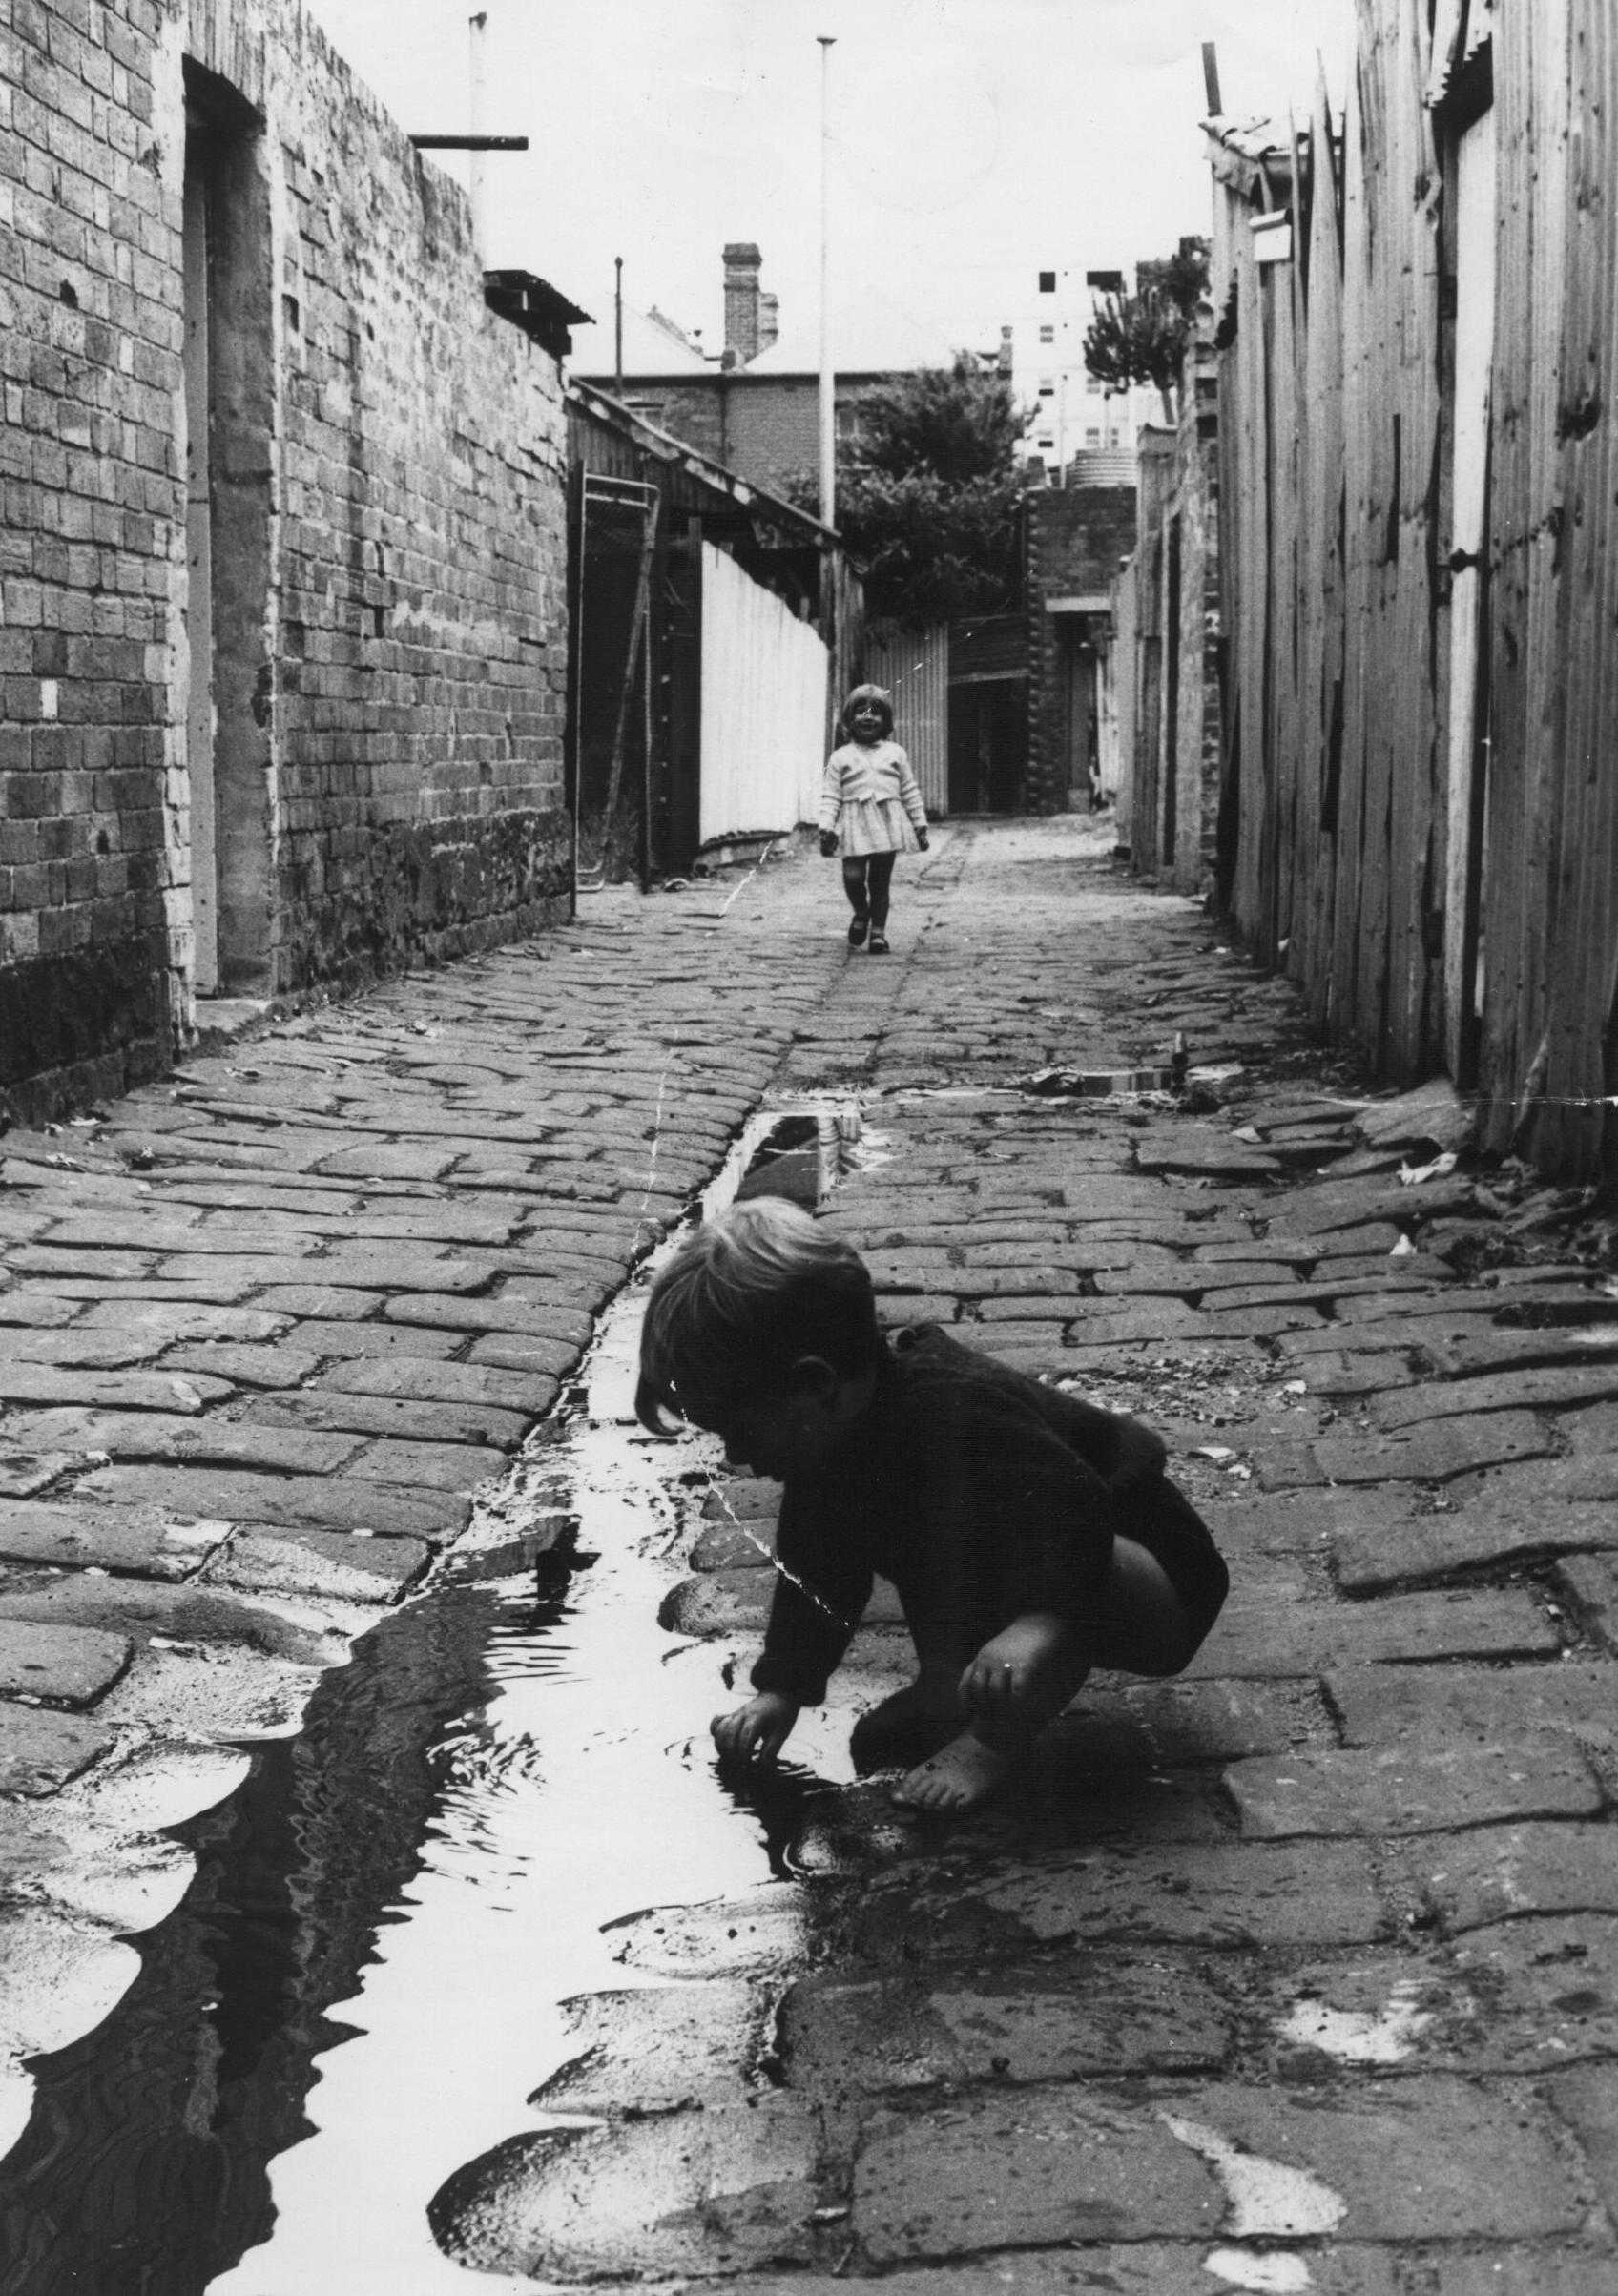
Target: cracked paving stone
{"type": "Point", "coordinates": [1042, 2168]}
{"type": "Point", "coordinates": [723, 2191]}
{"type": "Point", "coordinates": [1153, 2268]}
{"type": "Point", "coordinates": [1106, 2011]}
{"type": "Point", "coordinates": [421, 1378]}
{"type": "Point", "coordinates": [1410, 2158]}
{"type": "Point", "coordinates": [1220, 1895]}
{"type": "Point", "coordinates": [24, 1472]}
{"type": "Point", "coordinates": [659, 2051]}
{"type": "Point", "coordinates": [407, 1416]}
{"type": "Point", "coordinates": [51, 1383]}
{"type": "Point", "coordinates": [1410, 1790]}
{"type": "Point", "coordinates": [512, 1320]}
{"type": "Point", "coordinates": [1591, 1581]}
{"type": "Point", "coordinates": [1272, 1634]}
{"type": "Point", "coordinates": [62, 1666]}
{"type": "Point", "coordinates": [1473, 1880]}
{"type": "Point", "coordinates": [1437, 1452]}
{"type": "Point", "coordinates": [330, 1565]}
{"type": "Point", "coordinates": [447, 1467]}
{"type": "Point", "coordinates": [41, 1751]}
{"type": "Point", "coordinates": [151, 1435]}
{"type": "Point", "coordinates": [266, 1367]}
{"type": "Point", "coordinates": [1380, 1705]}
{"type": "Point", "coordinates": [288, 1501]}
{"type": "Point", "coordinates": [1466, 1538]}
{"type": "Point", "coordinates": [140, 1540]}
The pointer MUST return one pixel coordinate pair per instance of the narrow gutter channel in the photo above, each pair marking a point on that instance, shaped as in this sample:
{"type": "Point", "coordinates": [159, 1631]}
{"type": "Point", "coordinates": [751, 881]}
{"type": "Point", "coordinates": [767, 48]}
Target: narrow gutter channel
{"type": "Point", "coordinates": [364, 1984]}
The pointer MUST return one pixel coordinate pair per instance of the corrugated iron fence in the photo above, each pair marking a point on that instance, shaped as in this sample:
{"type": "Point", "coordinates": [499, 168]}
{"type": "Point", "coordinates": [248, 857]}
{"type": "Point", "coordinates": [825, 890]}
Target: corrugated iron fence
{"type": "Point", "coordinates": [1418, 464]}
{"type": "Point", "coordinates": [914, 666]}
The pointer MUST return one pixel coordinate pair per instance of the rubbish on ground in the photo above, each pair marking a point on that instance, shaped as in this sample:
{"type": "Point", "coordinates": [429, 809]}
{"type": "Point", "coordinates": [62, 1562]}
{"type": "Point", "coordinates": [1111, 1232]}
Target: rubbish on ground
{"type": "Point", "coordinates": [1412, 1175]}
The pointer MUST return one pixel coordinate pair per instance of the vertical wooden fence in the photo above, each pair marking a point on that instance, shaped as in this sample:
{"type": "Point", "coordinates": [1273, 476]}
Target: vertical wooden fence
{"type": "Point", "coordinates": [1421, 786]}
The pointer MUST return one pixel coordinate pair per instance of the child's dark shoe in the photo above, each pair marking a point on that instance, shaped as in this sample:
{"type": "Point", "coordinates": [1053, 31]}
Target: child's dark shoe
{"type": "Point", "coordinates": [879, 944]}
{"type": "Point", "coordinates": [858, 931]}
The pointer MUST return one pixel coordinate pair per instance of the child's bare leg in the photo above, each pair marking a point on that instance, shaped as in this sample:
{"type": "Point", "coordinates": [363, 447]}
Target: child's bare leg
{"type": "Point", "coordinates": [914, 1723]}
{"type": "Point", "coordinates": [1023, 1676]}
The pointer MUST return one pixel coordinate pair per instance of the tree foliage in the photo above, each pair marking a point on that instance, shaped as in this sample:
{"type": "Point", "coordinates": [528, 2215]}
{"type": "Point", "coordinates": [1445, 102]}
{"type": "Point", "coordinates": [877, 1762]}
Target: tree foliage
{"type": "Point", "coordinates": [1142, 338]}
{"type": "Point", "coordinates": [927, 494]}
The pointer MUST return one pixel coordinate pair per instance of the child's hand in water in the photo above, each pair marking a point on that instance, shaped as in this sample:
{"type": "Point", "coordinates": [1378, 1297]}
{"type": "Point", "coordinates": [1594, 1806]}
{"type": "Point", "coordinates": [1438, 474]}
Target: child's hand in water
{"type": "Point", "coordinates": [756, 1731]}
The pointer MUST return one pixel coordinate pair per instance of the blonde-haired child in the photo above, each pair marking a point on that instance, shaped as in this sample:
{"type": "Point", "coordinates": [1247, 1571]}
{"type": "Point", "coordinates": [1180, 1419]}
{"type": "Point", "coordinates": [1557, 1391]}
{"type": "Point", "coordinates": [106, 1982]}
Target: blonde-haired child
{"type": "Point", "coordinates": [871, 807]}
{"type": "Point", "coordinates": [1031, 1536]}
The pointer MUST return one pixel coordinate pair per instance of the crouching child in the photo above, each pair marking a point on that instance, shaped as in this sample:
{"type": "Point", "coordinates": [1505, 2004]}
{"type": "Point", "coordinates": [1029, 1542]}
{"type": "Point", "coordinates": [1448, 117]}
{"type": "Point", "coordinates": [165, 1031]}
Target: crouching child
{"type": "Point", "coordinates": [1031, 1536]}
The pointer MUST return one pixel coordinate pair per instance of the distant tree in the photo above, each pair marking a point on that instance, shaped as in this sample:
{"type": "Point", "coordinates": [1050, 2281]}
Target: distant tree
{"type": "Point", "coordinates": [1142, 338]}
{"type": "Point", "coordinates": [927, 494]}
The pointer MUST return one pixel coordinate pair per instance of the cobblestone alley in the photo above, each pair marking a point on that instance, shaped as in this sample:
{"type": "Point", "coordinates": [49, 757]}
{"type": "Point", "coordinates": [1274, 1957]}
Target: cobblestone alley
{"type": "Point", "coordinates": [1299, 1971]}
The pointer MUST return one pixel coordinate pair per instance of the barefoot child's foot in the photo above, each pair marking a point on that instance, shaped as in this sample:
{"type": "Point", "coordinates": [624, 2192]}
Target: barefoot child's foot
{"type": "Point", "coordinates": [959, 1777]}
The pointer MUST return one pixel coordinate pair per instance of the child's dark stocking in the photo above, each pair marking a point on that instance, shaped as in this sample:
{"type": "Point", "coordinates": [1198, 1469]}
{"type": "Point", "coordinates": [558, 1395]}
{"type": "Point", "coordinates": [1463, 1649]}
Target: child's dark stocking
{"type": "Point", "coordinates": [854, 885]}
{"type": "Point", "coordinates": [882, 877]}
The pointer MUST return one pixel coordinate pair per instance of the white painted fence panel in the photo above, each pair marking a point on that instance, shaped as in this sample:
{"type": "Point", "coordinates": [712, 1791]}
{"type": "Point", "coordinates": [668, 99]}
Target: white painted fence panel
{"type": "Point", "coordinates": [763, 708]}
{"type": "Point", "coordinates": [914, 666]}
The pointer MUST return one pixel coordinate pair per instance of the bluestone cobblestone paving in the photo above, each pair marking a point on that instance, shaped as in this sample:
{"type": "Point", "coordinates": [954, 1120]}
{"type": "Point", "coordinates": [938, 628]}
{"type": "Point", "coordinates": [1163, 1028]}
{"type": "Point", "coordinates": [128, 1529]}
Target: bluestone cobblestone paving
{"type": "Point", "coordinates": [1299, 1973]}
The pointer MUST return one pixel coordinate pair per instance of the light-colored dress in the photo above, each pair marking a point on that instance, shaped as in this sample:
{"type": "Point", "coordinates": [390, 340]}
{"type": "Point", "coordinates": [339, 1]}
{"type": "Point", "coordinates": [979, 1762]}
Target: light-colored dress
{"type": "Point", "coordinates": [870, 800]}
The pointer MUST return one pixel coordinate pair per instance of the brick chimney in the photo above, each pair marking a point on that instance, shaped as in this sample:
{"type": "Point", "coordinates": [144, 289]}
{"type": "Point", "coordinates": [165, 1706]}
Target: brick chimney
{"type": "Point", "coordinates": [742, 261]}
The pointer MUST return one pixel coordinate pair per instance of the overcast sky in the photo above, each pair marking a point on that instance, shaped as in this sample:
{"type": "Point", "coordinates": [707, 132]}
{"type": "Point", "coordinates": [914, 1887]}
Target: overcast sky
{"type": "Point", "coordinates": [974, 142]}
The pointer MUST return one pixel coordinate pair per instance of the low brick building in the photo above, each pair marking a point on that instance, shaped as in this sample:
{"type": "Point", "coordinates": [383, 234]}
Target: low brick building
{"type": "Point", "coordinates": [755, 409]}
{"type": "Point", "coordinates": [283, 571]}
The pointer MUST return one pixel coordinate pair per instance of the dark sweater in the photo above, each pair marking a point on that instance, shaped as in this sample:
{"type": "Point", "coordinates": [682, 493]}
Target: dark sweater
{"type": "Point", "coordinates": [980, 1493]}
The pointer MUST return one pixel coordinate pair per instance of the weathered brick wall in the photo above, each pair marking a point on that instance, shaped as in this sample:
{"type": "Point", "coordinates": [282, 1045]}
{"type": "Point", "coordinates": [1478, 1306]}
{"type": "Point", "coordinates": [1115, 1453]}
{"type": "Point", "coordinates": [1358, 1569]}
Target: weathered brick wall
{"type": "Point", "coordinates": [765, 428]}
{"type": "Point", "coordinates": [89, 345]}
{"type": "Point", "coordinates": [389, 541]}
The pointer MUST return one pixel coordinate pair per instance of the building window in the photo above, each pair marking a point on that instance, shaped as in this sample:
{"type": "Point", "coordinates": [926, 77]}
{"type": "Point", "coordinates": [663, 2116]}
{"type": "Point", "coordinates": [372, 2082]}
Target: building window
{"type": "Point", "coordinates": [1048, 334]}
{"type": "Point", "coordinates": [1093, 438]}
{"type": "Point", "coordinates": [1044, 445]}
{"type": "Point", "coordinates": [1093, 388]}
{"type": "Point", "coordinates": [1048, 387]}
{"type": "Point", "coordinates": [1048, 282]}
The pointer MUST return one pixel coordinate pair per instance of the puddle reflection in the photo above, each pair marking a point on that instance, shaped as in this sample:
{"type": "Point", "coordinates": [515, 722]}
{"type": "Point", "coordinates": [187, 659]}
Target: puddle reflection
{"type": "Point", "coordinates": [363, 1987]}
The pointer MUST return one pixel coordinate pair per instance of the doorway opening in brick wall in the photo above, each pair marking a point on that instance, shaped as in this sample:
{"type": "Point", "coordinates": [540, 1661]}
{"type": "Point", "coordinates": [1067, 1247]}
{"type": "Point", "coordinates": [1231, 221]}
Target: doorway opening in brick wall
{"type": "Point", "coordinates": [229, 367]}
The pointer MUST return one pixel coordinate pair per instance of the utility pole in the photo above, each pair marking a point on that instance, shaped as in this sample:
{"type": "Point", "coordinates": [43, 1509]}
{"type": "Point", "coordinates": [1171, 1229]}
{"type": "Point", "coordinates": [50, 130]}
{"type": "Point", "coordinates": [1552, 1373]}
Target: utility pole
{"type": "Point", "coordinates": [618, 325]}
{"type": "Point", "coordinates": [476, 25]}
{"type": "Point", "coordinates": [828, 380]}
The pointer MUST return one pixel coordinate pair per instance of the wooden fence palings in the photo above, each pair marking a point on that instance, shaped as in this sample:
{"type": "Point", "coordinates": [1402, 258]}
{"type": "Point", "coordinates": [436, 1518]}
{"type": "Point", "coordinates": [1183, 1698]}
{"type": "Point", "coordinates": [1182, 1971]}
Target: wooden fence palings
{"type": "Point", "coordinates": [1325, 569]}
{"type": "Point", "coordinates": [1599, 1139]}
{"type": "Point", "coordinates": [1414, 878]}
{"type": "Point", "coordinates": [1509, 556]}
{"type": "Point", "coordinates": [1579, 962]}
{"type": "Point", "coordinates": [1255, 590]}
{"type": "Point", "coordinates": [1340, 1008]}
{"type": "Point", "coordinates": [1288, 610]}
{"type": "Point", "coordinates": [1546, 757]}
{"type": "Point", "coordinates": [1334, 419]}
{"type": "Point", "coordinates": [1304, 764]}
{"type": "Point", "coordinates": [1382, 215]}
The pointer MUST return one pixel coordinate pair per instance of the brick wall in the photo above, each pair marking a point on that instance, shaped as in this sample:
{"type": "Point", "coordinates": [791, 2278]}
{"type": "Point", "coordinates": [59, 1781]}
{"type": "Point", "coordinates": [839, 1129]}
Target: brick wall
{"type": "Point", "coordinates": [375, 575]}
{"type": "Point", "coordinates": [765, 428]}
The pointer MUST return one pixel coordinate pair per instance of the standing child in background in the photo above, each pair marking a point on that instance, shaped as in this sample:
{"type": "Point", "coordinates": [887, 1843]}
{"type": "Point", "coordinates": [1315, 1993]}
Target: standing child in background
{"type": "Point", "coordinates": [870, 804]}
{"type": "Point", "coordinates": [1031, 1536]}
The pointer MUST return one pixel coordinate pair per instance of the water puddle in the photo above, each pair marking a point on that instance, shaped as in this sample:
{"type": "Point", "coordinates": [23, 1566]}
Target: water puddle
{"type": "Point", "coordinates": [366, 1981]}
